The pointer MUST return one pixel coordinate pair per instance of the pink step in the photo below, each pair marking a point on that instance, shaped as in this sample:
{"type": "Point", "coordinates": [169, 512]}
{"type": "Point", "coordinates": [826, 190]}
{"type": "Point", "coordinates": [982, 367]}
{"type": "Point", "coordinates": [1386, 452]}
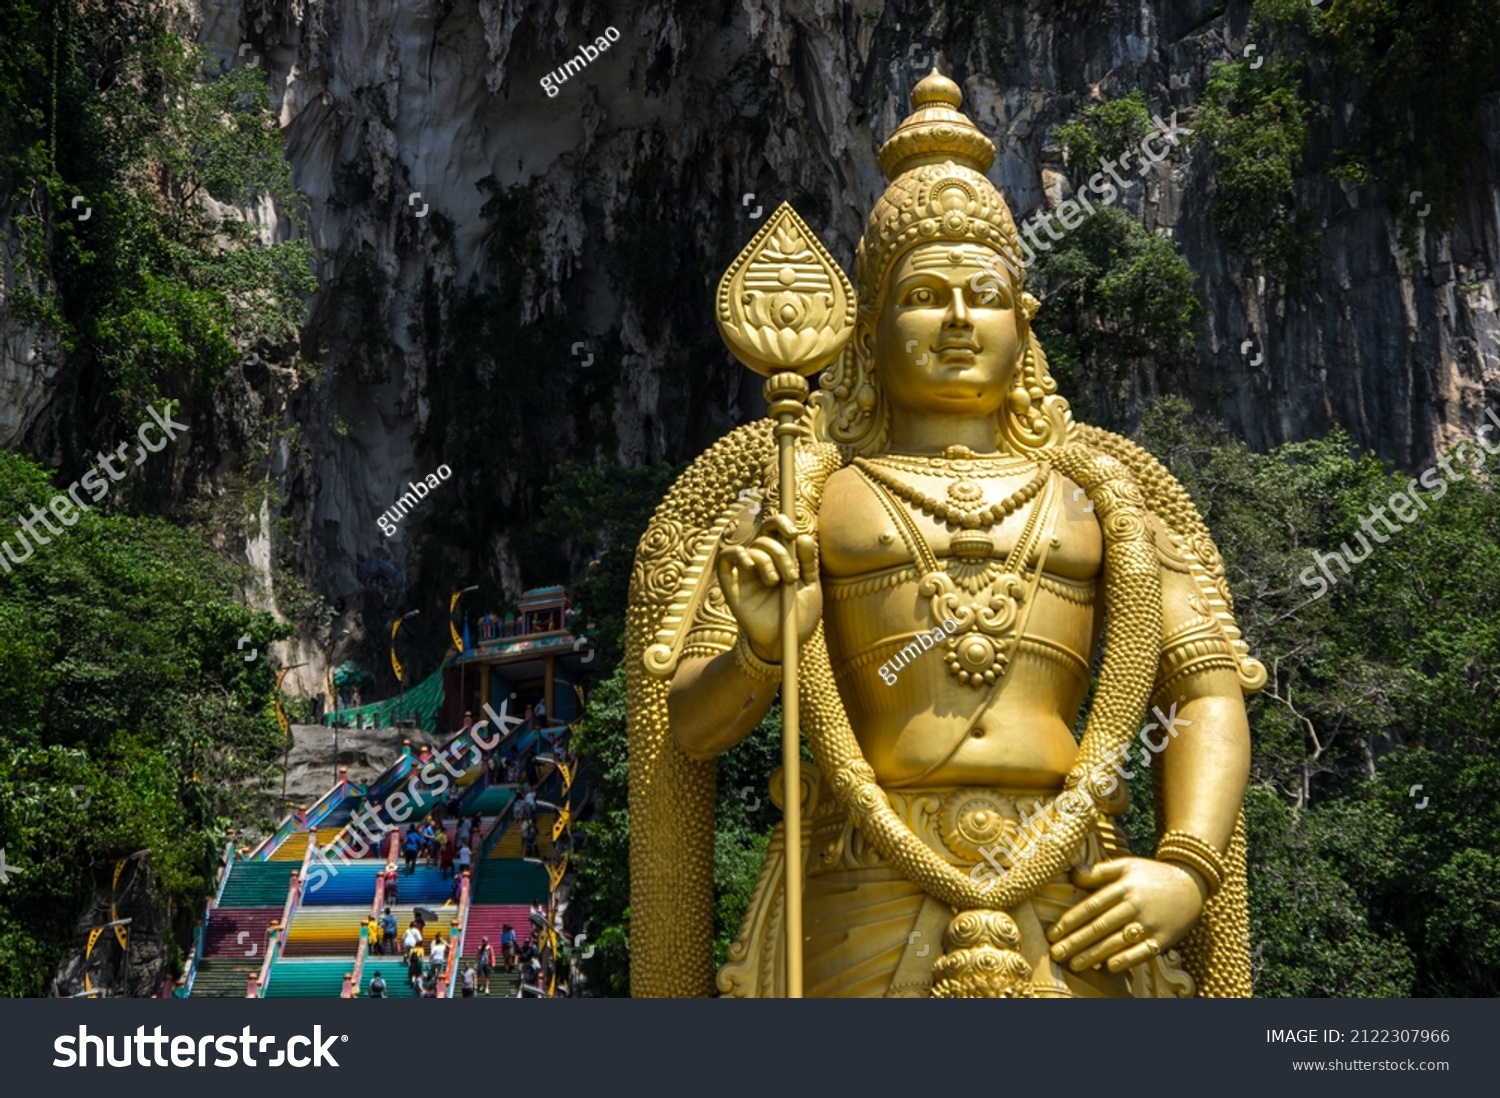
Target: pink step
{"type": "Point", "coordinates": [226, 925]}
{"type": "Point", "coordinates": [485, 921]}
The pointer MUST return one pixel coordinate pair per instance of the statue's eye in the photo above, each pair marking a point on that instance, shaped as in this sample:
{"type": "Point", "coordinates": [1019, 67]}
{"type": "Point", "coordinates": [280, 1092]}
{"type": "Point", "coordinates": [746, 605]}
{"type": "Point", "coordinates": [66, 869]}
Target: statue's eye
{"type": "Point", "coordinates": [922, 295]}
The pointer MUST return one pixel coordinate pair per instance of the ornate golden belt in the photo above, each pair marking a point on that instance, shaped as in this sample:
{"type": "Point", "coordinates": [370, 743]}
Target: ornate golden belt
{"type": "Point", "coordinates": [965, 826]}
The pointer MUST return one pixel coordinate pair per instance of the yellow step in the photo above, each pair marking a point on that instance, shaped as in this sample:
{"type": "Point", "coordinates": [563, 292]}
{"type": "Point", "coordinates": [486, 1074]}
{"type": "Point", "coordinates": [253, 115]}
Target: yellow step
{"type": "Point", "coordinates": [293, 849]}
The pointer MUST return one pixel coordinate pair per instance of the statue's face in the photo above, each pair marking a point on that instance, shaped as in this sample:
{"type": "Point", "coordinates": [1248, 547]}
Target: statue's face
{"type": "Point", "coordinates": [962, 349]}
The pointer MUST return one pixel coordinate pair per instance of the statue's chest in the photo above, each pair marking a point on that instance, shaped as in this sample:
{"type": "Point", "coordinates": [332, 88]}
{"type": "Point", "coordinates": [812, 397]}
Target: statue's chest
{"type": "Point", "coordinates": [859, 535]}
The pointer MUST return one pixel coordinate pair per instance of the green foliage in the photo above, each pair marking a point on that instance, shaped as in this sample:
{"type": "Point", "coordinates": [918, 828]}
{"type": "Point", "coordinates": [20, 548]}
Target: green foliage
{"type": "Point", "coordinates": [744, 818]}
{"type": "Point", "coordinates": [129, 719]}
{"type": "Point", "coordinates": [1422, 68]}
{"type": "Point", "coordinates": [150, 295]}
{"type": "Point", "coordinates": [1256, 124]}
{"type": "Point", "coordinates": [1414, 74]}
{"type": "Point", "coordinates": [602, 861]}
{"type": "Point", "coordinates": [1389, 680]}
{"type": "Point", "coordinates": [1104, 131]}
{"type": "Point", "coordinates": [1309, 924]}
{"type": "Point", "coordinates": [1114, 296]}
{"type": "Point", "coordinates": [603, 510]}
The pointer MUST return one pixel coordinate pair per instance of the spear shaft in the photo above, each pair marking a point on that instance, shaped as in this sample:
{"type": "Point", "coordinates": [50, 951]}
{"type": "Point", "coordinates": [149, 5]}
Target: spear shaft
{"type": "Point", "coordinates": [786, 393]}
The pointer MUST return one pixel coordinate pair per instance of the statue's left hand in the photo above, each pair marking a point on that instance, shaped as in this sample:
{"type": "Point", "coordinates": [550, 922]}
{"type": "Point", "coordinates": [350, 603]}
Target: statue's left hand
{"type": "Point", "coordinates": [1139, 908]}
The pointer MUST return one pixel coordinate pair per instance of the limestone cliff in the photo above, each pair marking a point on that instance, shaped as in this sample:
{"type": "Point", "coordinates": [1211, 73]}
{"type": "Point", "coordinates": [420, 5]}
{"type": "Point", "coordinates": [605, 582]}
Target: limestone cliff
{"type": "Point", "coordinates": [472, 230]}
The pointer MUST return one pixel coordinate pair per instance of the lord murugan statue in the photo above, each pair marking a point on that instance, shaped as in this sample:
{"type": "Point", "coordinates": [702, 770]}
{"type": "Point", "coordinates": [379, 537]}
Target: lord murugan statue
{"type": "Point", "coordinates": [956, 566]}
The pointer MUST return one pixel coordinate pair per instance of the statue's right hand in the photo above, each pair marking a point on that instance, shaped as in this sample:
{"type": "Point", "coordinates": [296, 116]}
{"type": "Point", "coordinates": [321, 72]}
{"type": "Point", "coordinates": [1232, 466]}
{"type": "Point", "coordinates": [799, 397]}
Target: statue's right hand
{"type": "Point", "coordinates": [752, 578]}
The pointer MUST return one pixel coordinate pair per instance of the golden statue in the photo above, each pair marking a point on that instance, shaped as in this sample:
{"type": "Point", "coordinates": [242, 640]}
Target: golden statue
{"type": "Point", "coordinates": [953, 548]}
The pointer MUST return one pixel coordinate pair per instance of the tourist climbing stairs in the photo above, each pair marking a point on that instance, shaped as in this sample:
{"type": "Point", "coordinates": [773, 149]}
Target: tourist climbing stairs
{"type": "Point", "coordinates": [325, 943]}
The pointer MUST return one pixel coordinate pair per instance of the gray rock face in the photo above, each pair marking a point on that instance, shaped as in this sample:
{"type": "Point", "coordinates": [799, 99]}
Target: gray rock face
{"type": "Point", "coordinates": [314, 758]}
{"type": "Point", "coordinates": [643, 173]}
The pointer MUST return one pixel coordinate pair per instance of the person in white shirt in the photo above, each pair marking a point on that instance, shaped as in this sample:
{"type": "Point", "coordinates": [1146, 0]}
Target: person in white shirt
{"type": "Point", "coordinates": [439, 954]}
{"type": "Point", "coordinates": [412, 939]}
{"type": "Point", "coordinates": [469, 979]}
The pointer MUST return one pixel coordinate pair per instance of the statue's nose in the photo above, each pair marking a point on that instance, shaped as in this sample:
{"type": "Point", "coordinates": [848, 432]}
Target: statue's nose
{"type": "Point", "coordinates": [958, 312]}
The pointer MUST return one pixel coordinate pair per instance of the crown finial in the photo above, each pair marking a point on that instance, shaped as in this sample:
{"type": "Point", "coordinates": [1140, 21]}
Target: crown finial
{"type": "Point", "coordinates": [936, 89]}
{"type": "Point", "coordinates": [936, 131]}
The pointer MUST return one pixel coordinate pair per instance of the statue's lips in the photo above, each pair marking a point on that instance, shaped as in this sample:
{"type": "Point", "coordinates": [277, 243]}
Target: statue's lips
{"type": "Point", "coordinates": [956, 352]}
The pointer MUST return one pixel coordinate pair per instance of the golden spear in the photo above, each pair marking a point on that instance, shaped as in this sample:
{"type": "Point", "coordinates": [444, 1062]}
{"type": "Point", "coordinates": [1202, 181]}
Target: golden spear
{"type": "Point", "coordinates": [786, 310]}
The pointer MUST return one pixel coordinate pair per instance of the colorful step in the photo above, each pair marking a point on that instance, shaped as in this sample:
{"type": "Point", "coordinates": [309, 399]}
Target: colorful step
{"type": "Point", "coordinates": [298, 978]}
{"type": "Point", "coordinates": [225, 977]}
{"type": "Point", "coordinates": [354, 883]}
{"type": "Point", "coordinates": [257, 884]}
{"type": "Point", "coordinates": [509, 843]}
{"type": "Point", "coordinates": [392, 971]}
{"type": "Point", "coordinates": [292, 848]}
{"type": "Point", "coordinates": [511, 881]}
{"type": "Point", "coordinates": [237, 932]}
{"type": "Point", "coordinates": [325, 931]}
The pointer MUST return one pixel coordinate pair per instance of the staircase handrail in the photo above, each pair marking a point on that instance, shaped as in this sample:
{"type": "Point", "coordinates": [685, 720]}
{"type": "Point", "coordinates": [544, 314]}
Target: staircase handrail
{"type": "Point", "coordinates": [330, 800]}
{"type": "Point", "coordinates": [184, 986]}
{"type": "Point", "coordinates": [351, 987]}
{"type": "Point", "coordinates": [200, 934]}
{"type": "Point", "coordinates": [452, 748]}
{"type": "Point", "coordinates": [225, 866]}
{"type": "Point", "coordinates": [288, 912]}
{"type": "Point", "coordinates": [376, 907]}
{"type": "Point", "coordinates": [390, 777]}
{"type": "Point", "coordinates": [376, 789]}
{"type": "Point", "coordinates": [264, 849]}
{"type": "Point", "coordinates": [456, 938]}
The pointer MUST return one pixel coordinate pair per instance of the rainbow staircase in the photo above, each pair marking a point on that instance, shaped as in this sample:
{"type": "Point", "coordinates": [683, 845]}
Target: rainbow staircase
{"type": "Point", "coordinates": [324, 943]}
{"type": "Point", "coordinates": [234, 944]}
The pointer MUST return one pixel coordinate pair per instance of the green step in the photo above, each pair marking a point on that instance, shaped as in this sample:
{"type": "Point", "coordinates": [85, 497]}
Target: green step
{"type": "Point", "coordinates": [503, 985]}
{"type": "Point", "coordinates": [257, 884]}
{"type": "Point", "coordinates": [397, 984]}
{"type": "Point", "coordinates": [491, 802]}
{"type": "Point", "coordinates": [224, 977]}
{"type": "Point", "coordinates": [509, 881]}
{"type": "Point", "coordinates": [294, 978]}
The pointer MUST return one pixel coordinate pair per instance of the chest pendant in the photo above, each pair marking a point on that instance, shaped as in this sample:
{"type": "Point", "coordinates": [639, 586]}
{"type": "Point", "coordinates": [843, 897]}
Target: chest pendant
{"type": "Point", "coordinates": [983, 596]}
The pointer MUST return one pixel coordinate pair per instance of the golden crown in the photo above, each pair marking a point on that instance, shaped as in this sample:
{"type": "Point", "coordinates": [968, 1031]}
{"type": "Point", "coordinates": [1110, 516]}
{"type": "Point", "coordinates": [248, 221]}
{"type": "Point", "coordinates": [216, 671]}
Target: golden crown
{"type": "Point", "coordinates": [938, 191]}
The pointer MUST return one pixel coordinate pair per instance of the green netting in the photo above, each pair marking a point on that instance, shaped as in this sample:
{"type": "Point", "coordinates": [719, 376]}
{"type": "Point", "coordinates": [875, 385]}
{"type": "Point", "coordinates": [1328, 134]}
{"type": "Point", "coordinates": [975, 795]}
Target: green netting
{"type": "Point", "coordinates": [421, 705]}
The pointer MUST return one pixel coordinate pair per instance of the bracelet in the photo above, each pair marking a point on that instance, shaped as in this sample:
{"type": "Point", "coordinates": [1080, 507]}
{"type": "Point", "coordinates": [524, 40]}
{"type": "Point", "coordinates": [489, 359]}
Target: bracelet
{"type": "Point", "coordinates": [1192, 852]}
{"type": "Point", "coordinates": [752, 665]}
